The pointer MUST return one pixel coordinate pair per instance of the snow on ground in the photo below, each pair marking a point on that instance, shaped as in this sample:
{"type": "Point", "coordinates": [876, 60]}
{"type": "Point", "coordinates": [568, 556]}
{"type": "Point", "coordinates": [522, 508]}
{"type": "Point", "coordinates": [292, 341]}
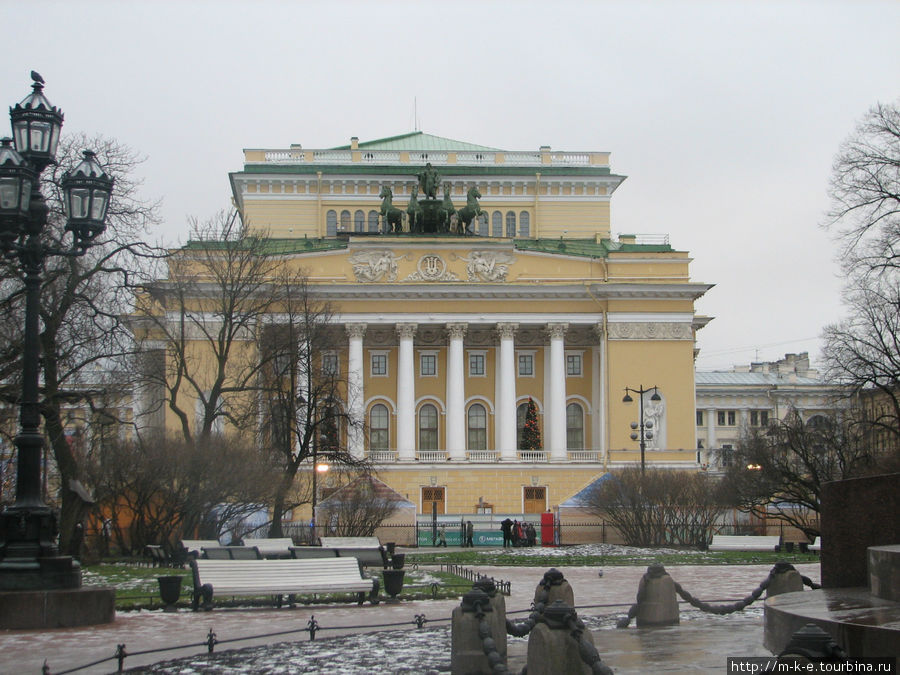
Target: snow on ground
{"type": "Point", "coordinates": [591, 550]}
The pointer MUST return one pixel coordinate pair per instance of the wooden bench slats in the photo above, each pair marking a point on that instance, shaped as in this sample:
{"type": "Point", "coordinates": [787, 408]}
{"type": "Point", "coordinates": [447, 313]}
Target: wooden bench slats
{"type": "Point", "coordinates": [280, 577]}
{"type": "Point", "coordinates": [350, 542]}
{"type": "Point", "coordinates": [723, 542]}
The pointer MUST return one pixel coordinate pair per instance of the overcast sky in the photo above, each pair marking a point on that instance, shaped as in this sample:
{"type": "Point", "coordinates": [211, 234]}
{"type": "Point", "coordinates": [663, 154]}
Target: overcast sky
{"type": "Point", "coordinates": [725, 116]}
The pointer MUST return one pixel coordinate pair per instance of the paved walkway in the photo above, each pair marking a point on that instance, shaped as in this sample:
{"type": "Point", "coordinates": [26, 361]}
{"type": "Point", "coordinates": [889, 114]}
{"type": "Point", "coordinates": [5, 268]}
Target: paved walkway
{"type": "Point", "coordinates": [698, 645]}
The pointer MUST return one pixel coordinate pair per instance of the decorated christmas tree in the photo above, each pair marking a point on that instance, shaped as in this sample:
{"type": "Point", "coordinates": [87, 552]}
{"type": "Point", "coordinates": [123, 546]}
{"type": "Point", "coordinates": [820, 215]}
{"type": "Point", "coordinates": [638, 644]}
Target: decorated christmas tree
{"type": "Point", "coordinates": [531, 432]}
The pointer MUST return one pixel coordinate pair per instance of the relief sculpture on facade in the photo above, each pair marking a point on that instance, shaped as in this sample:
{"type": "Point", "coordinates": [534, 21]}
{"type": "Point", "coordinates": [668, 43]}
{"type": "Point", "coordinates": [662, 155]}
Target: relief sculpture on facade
{"type": "Point", "coordinates": [372, 266]}
{"type": "Point", "coordinates": [647, 330]}
{"type": "Point", "coordinates": [488, 265]}
{"type": "Point", "coordinates": [432, 267]}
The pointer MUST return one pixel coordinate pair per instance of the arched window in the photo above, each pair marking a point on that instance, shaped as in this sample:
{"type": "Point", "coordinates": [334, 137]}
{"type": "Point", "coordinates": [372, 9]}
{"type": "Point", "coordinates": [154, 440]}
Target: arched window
{"type": "Point", "coordinates": [574, 427]}
{"type": "Point", "coordinates": [373, 221]}
{"type": "Point", "coordinates": [331, 223]}
{"type": "Point", "coordinates": [496, 224]}
{"type": "Point", "coordinates": [477, 427]}
{"type": "Point", "coordinates": [345, 221]}
{"type": "Point", "coordinates": [524, 224]}
{"type": "Point", "coordinates": [521, 411]}
{"type": "Point", "coordinates": [379, 431]}
{"type": "Point", "coordinates": [428, 427]}
{"type": "Point", "coordinates": [511, 224]}
{"type": "Point", "coordinates": [483, 225]}
{"type": "Point", "coordinates": [359, 222]}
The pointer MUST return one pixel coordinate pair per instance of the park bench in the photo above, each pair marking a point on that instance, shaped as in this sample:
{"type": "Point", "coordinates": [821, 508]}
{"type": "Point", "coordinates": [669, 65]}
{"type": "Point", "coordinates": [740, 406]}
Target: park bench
{"type": "Point", "coordinates": [301, 552]}
{"type": "Point", "coordinates": [367, 550]}
{"type": "Point", "coordinates": [191, 547]}
{"type": "Point", "coordinates": [156, 555]}
{"type": "Point", "coordinates": [272, 548]}
{"type": "Point", "coordinates": [724, 542]}
{"type": "Point", "coordinates": [230, 553]}
{"type": "Point", "coordinates": [278, 578]}
{"type": "Point", "coordinates": [816, 545]}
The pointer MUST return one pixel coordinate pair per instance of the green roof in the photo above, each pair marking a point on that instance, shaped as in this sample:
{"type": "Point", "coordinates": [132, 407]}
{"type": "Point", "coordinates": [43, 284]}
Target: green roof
{"type": "Point", "coordinates": [275, 246]}
{"type": "Point", "coordinates": [418, 141]}
{"type": "Point", "coordinates": [588, 248]}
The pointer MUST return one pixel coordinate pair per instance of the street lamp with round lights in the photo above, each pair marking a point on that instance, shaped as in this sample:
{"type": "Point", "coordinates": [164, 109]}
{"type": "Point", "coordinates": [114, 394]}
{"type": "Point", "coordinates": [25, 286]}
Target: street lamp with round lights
{"type": "Point", "coordinates": [643, 429]}
{"type": "Point", "coordinates": [29, 558]}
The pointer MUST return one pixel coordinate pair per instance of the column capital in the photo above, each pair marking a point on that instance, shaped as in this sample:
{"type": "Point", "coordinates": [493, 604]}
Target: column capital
{"type": "Point", "coordinates": [557, 330]}
{"type": "Point", "coordinates": [598, 330]}
{"type": "Point", "coordinates": [457, 330]}
{"type": "Point", "coordinates": [355, 330]}
{"type": "Point", "coordinates": [406, 330]}
{"type": "Point", "coordinates": [507, 331]}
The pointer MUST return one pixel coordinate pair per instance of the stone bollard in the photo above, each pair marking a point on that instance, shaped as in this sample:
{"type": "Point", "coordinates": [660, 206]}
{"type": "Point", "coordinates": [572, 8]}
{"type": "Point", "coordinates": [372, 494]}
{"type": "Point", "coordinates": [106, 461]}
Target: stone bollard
{"type": "Point", "coordinates": [785, 579]}
{"type": "Point", "coordinates": [657, 604]}
{"type": "Point", "coordinates": [552, 648]}
{"type": "Point", "coordinates": [552, 587]}
{"type": "Point", "coordinates": [498, 613]}
{"type": "Point", "coordinates": [470, 634]}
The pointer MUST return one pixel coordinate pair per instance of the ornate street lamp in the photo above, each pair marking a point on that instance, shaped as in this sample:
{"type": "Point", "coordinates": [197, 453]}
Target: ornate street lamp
{"type": "Point", "coordinates": [29, 558]}
{"type": "Point", "coordinates": [642, 430]}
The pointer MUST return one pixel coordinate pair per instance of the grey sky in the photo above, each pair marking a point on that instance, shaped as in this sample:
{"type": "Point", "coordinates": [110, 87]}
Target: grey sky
{"type": "Point", "coordinates": [724, 116]}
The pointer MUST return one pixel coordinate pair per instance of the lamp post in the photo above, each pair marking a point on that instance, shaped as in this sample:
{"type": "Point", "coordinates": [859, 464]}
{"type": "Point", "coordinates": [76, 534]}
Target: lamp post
{"type": "Point", "coordinates": [642, 430]}
{"type": "Point", "coordinates": [29, 559]}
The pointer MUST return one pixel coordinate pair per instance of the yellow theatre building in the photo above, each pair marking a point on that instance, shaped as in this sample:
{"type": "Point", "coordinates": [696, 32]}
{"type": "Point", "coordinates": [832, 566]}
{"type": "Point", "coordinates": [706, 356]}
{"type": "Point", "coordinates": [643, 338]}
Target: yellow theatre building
{"type": "Point", "coordinates": [444, 337]}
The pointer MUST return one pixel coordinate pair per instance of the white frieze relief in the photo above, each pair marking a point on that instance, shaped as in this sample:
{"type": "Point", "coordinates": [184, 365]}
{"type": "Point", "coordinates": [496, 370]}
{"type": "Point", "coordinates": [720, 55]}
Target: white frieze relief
{"type": "Point", "coordinates": [488, 265]}
{"type": "Point", "coordinates": [372, 266]}
{"type": "Point", "coordinates": [431, 267]}
{"type": "Point", "coordinates": [649, 330]}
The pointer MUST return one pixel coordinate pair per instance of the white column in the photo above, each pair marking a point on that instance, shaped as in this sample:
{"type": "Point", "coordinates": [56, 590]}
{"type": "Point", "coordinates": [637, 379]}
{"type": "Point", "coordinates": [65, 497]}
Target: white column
{"type": "Point", "coordinates": [557, 402]}
{"type": "Point", "coordinates": [505, 394]}
{"type": "Point", "coordinates": [406, 394]}
{"type": "Point", "coordinates": [355, 393]}
{"type": "Point", "coordinates": [456, 393]}
{"type": "Point", "coordinates": [598, 403]}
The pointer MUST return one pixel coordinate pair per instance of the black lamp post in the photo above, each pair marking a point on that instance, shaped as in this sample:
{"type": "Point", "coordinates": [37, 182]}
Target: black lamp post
{"type": "Point", "coordinates": [29, 558]}
{"type": "Point", "coordinates": [643, 430]}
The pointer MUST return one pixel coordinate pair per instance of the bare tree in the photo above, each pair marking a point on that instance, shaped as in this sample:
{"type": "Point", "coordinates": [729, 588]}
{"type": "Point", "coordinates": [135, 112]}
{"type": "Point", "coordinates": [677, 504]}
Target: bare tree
{"type": "Point", "coordinates": [356, 509]}
{"type": "Point", "coordinates": [82, 302]}
{"type": "Point", "coordinates": [305, 396]}
{"type": "Point", "coordinates": [208, 313]}
{"type": "Point", "coordinates": [865, 191]}
{"type": "Point", "coordinates": [659, 507]}
{"type": "Point", "coordinates": [778, 472]}
{"type": "Point", "coordinates": [158, 490]}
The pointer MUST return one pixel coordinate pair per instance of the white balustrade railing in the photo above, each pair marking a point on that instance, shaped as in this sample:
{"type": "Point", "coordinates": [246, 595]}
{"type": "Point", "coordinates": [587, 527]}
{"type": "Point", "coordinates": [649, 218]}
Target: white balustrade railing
{"type": "Point", "coordinates": [418, 157]}
{"type": "Point", "coordinates": [383, 455]}
{"type": "Point", "coordinates": [583, 455]}
{"type": "Point", "coordinates": [482, 455]}
{"type": "Point", "coordinates": [431, 455]}
{"type": "Point", "coordinates": [532, 455]}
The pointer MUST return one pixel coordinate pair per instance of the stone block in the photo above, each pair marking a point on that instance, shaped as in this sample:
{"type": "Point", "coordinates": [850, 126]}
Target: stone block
{"type": "Point", "coordinates": [64, 608]}
{"type": "Point", "coordinates": [884, 572]}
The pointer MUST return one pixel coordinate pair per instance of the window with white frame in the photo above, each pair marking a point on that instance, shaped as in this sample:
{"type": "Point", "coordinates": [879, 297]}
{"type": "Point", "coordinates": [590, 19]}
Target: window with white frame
{"type": "Point", "coordinates": [476, 364]}
{"type": "Point", "coordinates": [378, 364]}
{"type": "Point", "coordinates": [428, 364]}
{"type": "Point", "coordinates": [428, 427]}
{"type": "Point", "coordinates": [526, 364]}
{"type": "Point", "coordinates": [573, 364]}
{"type": "Point", "coordinates": [379, 429]}
{"type": "Point", "coordinates": [574, 427]}
{"type": "Point", "coordinates": [476, 424]}
{"type": "Point", "coordinates": [759, 418]}
{"type": "Point", "coordinates": [726, 418]}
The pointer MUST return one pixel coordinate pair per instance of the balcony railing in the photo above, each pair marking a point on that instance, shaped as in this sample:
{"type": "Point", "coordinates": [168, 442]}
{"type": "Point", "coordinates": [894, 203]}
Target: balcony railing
{"type": "Point", "coordinates": [383, 455]}
{"type": "Point", "coordinates": [532, 455]}
{"type": "Point", "coordinates": [437, 158]}
{"type": "Point", "coordinates": [431, 455]}
{"type": "Point", "coordinates": [482, 455]}
{"type": "Point", "coordinates": [583, 455]}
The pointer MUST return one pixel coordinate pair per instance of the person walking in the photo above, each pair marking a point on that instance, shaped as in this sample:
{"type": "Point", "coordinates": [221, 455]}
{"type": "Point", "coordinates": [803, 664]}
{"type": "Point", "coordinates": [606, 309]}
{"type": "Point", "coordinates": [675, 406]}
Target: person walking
{"type": "Point", "coordinates": [506, 527]}
{"type": "Point", "coordinates": [470, 534]}
{"type": "Point", "coordinates": [442, 536]}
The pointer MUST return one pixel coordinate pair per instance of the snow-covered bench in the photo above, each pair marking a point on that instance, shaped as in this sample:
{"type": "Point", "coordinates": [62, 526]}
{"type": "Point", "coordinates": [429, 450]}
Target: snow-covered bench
{"type": "Point", "coordinates": [724, 542]}
{"type": "Point", "coordinates": [816, 545]}
{"type": "Point", "coordinates": [192, 547]}
{"type": "Point", "coordinates": [279, 578]}
{"type": "Point", "coordinates": [313, 552]}
{"type": "Point", "coordinates": [272, 548]}
{"type": "Point", "coordinates": [368, 550]}
{"type": "Point", "coordinates": [230, 553]}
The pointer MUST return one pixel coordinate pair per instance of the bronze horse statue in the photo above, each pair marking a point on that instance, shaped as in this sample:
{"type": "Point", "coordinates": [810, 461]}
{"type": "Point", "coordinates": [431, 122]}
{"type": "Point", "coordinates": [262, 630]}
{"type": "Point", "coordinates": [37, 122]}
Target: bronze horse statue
{"type": "Point", "coordinates": [470, 211]}
{"type": "Point", "coordinates": [445, 211]}
{"type": "Point", "coordinates": [391, 217]}
{"type": "Point", "coordinates": [415, 212]}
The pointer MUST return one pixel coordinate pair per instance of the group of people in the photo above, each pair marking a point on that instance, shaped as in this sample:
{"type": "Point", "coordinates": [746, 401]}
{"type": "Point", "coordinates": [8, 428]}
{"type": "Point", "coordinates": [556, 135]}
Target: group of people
{"type": "Point", "coordinates": [468, 535]}
{"type": "Point", "coordinates": [518, 534]}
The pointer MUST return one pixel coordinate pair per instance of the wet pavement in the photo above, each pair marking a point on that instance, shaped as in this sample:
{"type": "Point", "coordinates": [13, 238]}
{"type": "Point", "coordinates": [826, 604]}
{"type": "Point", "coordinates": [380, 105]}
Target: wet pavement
{"type": "Point", "coordinates": [700, 644]}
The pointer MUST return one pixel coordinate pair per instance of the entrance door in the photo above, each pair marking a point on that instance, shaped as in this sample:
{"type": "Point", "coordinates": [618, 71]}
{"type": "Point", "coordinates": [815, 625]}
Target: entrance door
{"type": "Point", "coordinates": [535, 499]}
{"type": "Point", "coordinates": [432, 495]}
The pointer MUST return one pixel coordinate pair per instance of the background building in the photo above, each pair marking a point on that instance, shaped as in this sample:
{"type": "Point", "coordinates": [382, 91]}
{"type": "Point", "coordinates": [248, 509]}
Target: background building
{"type": "Point", "coordinates": [443, 338]}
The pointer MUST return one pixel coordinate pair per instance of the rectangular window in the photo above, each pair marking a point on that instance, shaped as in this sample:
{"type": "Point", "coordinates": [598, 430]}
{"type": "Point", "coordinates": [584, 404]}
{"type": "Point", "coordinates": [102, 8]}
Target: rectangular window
{"type": "Point", "coordinates": [427, 365]}
{"type": "Point", "coordinates": [379, 364]}
{"type": "Point", "coordinates": [573, 364]}
{"type": "Point", "coordinates": [699, 418]}
{"type": "Point", "coordinates": [526, 365]}
{"type": "Point", "coordinates": [759, 418]}
{"type": "Point", "coordinates": [764, 418]}
{"type": "Point", "coordinates": [476, 364]}
{"type": "Point", "coordinates": [726, 418]}
{"type": "Point", "coordinates": [731, 418]}
{"type": "Point", "coordinates": [329, 364]}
